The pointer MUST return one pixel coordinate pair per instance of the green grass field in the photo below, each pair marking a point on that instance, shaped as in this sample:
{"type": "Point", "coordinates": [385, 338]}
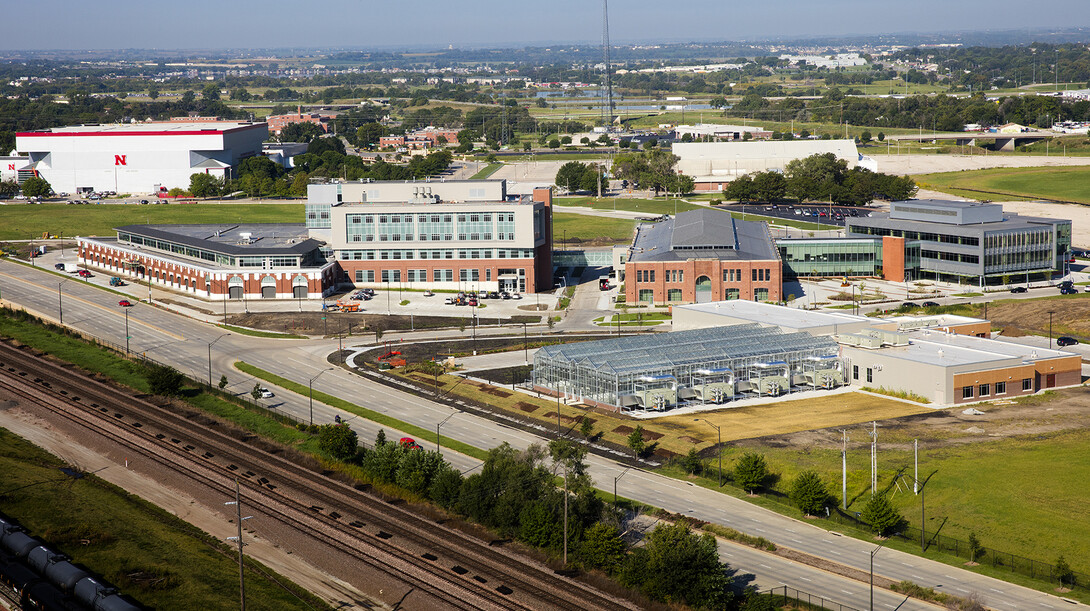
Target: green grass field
{"type": "Point", "coordinates": [486, 171]}
{"type": "Point", "coordinates": [1069, 184]}
{"type": "Point", "coordinates": [1008, 492]}
{"type": "Point", "coordinates": [29, 221]}
{"type": "Point", "coordinates": [158, 559]}
{"type": "Point", "coordinates": [579, 228]}
{"type": "Point", "coordinates": [652, 207]}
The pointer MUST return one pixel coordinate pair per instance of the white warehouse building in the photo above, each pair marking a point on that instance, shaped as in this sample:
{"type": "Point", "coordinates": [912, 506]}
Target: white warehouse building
{"type": "Point", "coordinates": [137, 157]}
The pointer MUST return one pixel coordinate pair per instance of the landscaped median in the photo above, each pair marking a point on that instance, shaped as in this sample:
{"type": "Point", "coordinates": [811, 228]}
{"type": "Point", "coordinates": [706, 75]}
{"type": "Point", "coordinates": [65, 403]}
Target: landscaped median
{"type": "Point", "coordinates": [363, 412]}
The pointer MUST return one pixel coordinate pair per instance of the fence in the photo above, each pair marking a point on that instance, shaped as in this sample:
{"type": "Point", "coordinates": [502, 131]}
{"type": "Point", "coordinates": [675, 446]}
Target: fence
{"type": "Point", "coordinates": [784, 595]}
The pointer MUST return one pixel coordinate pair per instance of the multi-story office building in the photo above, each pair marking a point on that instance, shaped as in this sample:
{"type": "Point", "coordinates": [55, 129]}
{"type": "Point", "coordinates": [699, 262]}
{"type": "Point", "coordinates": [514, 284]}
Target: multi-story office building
{"type": "Point", "coordinates": [465, 235]}
{"type": "Point", "coordinates": [964, 241]}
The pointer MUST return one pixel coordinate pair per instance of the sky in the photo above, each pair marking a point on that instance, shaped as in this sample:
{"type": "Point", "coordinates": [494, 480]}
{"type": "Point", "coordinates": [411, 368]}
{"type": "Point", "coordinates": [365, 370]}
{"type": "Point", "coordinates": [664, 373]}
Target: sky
{"type": "Point", "coordinates": [192, 24]}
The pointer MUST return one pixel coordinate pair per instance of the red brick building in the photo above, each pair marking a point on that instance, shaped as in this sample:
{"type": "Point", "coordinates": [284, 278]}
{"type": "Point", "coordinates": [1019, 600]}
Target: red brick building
{"type": "Point", "coordinates": [701, 256]}
{"type": "Point", "coordinates": [266, 261]}
{"type": "Point", "coordinates": [278, 122]}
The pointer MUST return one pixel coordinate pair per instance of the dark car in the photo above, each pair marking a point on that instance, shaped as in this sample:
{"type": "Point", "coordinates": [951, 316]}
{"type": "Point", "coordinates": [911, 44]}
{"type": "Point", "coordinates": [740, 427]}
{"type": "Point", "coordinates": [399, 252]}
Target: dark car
{"type": "Point", "coordinates": [1066, 341]}
{"type": "Point", "coordinates": [1069, 290]}
{"type": "Point", "coordinates": [908, 305]}
{"type": "Point", "coordinates": [59, 266]}
{"type": "Point", "coordinates": [930, 304]}
{"type": "Point", "coordinates": [1019, 289]}
{"type": "Point", "coordinates": [494, 295]}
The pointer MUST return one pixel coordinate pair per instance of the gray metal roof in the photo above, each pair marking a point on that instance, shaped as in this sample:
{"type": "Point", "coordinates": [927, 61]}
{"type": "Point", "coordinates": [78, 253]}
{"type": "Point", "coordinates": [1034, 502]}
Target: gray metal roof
{"type": "Point", "coordinates": [264, 238]}
{"type": "Point", "coordinates": [643, 353]}
{"type": "Point", "coordinates": [703, 234]}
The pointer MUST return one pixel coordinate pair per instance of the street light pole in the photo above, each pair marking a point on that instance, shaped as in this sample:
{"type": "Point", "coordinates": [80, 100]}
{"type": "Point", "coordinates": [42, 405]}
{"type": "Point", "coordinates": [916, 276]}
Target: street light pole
{"type": "Point", "coordinates": [873, 552]}
{"type": "Point", "coordinates": [310, 388]}
{"type": "Point", "coordinates": [719, 448]}
{"type": "Point", "coordinates": [210, 344]}
{"type": "Point", "coordinates": [439, 424]}
{"type": "Point", "coordinates": [1050, 313]}
{"type": "Point", "coordinates": [615, 480]}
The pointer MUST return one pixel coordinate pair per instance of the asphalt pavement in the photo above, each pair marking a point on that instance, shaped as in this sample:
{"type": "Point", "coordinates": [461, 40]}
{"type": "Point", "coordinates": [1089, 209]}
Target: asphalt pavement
{"type": "Point", "coordinates": [170, 337]}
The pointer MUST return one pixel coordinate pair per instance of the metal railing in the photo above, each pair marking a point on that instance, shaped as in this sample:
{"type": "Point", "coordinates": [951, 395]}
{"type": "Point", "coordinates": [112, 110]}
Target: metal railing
{"type": "Point", "coordinates": [784, 595]}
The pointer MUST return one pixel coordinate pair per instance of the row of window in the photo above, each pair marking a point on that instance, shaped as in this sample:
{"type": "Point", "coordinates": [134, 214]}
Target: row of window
{"type": "Point", "coordinates": [1000, 388]}
{"type": "Point", "coordinates": [949, 256]}
{"type": "Point", "coordinates": [429, 237]}
{"type": "Point", "coordinates": [925, 236]}
{"type": "Point", "coordinates": [421, 275]}
{"type": "Point", "coordinates": [729, 275]}
{"type": "Point", "coordinates": [648, 295]}
{"type": "Point", "coordinates": [461, 253]}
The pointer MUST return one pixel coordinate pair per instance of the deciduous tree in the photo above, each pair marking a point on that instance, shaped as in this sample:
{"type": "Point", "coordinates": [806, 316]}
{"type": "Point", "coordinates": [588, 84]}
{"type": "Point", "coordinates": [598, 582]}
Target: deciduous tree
{"type": "Point", "coordinates": [338, 440]}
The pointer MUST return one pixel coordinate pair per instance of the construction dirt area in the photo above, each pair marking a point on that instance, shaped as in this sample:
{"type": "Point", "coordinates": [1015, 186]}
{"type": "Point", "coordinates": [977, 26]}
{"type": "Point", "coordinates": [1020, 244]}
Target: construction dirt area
{"type": "Point", "coordinates": [348, 323]}
{"type": "Point", "coordinates": [1053, 412]}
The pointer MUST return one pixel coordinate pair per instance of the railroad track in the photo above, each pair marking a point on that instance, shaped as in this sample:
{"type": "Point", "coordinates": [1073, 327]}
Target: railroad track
{"type": "Point", "coordinates": [428, 562]}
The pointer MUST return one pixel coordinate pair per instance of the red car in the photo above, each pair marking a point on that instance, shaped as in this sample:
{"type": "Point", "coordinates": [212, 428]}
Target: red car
{"type": "Point", "coordinates": [409, 443]}
{"type": "Point", "coordinates": [125, 303]}
{"type": "Point", "coordinates": [84, 274]}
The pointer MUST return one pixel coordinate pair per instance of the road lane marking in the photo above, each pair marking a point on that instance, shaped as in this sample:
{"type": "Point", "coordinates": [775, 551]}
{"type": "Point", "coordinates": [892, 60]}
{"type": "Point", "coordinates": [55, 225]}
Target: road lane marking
{"type": "Point", "coordinates": [110, 310]}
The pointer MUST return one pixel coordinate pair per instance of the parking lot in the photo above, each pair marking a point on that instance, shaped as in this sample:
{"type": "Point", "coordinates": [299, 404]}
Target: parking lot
{"type": "Point", "coordinates": [825, 214]}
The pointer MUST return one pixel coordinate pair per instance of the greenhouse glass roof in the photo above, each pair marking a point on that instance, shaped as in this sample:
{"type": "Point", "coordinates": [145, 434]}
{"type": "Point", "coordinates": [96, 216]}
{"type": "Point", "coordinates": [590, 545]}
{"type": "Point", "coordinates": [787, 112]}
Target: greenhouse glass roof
{"type": "Point", "coordinates": [625, 355]}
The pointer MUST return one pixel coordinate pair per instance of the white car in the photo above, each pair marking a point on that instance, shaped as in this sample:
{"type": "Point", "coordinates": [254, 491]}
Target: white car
{"type": "Point", "coordinates": [266, 393]}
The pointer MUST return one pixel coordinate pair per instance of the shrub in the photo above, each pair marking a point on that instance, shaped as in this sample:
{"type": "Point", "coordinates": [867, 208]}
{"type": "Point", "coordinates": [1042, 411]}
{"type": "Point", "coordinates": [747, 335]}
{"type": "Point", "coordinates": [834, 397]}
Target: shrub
{"type": "Point", "coordinates": [881, 515]}
{"type": "Point", "coordinates": [809, 493]}
{"type": "Point", "coordinates": [751, 471]}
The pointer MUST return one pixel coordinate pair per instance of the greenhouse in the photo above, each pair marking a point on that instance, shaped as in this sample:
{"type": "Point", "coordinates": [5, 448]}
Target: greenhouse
{"type": "Point", "coordinates": [701, 366]}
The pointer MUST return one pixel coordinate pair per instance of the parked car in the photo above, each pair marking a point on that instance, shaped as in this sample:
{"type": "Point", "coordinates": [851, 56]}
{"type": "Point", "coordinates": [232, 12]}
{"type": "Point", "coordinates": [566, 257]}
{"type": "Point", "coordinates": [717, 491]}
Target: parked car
{"type": "Point", "coordinates": [494, 295]}
{"type": "Point", "coordinates": [482, 295]}
{"type": "Point", "coordinates": [84, 274]}
{"type": "Point", "coordinates": [1019, 289]}
{"type": "Point", "coordinates": [516, 295]}
{"type": "Point", "coordinates": [59, 267]}
{"type": "Point", "coordinates": [429, 294]}
{"type": "Point", "coordinates": [505, 295]}
{"type": "Point", "coordinates": [125, 303]}
{"type": "Point", "coordinates": [472, 302]}
{"type": "Point", "coordinates": [930, 304]}
{"type": "Point", "coordinates": [1066, 341]}
{"type": "Point", "coordinates": [449, 301]}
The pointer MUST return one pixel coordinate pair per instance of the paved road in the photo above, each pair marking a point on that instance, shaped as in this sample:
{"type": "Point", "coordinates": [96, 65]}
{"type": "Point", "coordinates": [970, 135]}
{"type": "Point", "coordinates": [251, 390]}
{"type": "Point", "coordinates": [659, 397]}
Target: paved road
{"type": "Point", "coordinates": [170, 337]}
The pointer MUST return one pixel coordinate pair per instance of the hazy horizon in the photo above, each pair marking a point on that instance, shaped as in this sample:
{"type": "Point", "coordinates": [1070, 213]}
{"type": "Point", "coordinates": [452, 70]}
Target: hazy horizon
{"type": "Point", "coordinates": [278, 24]}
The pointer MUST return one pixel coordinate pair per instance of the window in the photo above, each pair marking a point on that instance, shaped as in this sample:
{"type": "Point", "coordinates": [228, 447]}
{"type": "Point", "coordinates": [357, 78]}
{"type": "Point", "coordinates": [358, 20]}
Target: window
{"type": "Point", "coordinates": [673, 295]}
{"type": "Point", "coordinates": [732, 294]}
{"type": "Point", "coordinates": [985, 390]}
{"type": "Point", "coordinates": [647, 295]}
{"type": "Point", "coordinates": [855, 372]}
{"type": "Point", "coordinates": [754, 270]}
{"type": "Point", "coordinates": [1000, 388]}
{"type": "Point", "coordinates": [1027, 384]}
{"type": "Point", "coordinates": [967, 392]}
{"type": "Point", "coordinates": [359, 275]}
{"type": "Point", "coordinates": [870, 375]}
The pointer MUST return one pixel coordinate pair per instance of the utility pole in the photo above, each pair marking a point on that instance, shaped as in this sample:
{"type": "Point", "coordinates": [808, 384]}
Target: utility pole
{"type": "Point", "coordinates": [238, 539]}
{"type": "Point", "coordinates": [565, 514]}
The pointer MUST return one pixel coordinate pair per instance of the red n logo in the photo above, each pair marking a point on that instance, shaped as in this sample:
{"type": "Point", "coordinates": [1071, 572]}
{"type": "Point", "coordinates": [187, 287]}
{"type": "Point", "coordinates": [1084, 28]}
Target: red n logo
{"type": "Point", "coordinates": [11, 166]}
{"type": "Point", "coordinates": [120, 159]}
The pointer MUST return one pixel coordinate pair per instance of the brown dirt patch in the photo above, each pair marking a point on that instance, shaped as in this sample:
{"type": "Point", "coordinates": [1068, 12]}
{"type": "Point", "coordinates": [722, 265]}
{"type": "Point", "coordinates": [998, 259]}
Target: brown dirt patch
{"type": "Point", "coordinates": [345, 323]}
{"type": "Point", "coordinates": [624, 429]}
{"type": "Point", "coordinates": [1052, 412]}
{"type": "Point", "coordinates": [1071, 316]}
{"type": "Point", "coordinates": [692, 440]}
{"type": "Point", "coordinates": [563, 418]}
{"type": "Point", "coordinates": [527, 407]}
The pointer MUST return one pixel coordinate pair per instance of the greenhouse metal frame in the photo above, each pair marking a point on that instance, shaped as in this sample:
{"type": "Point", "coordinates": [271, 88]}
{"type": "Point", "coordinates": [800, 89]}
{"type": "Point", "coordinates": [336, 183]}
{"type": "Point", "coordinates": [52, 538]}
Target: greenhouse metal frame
{"type": "Point", "coordinates": [643, 372]}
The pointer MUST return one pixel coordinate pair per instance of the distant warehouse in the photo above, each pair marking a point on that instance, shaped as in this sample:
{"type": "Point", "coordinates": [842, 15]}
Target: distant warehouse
{"type": "Point", "coordinates": [713, 165]}
{"type": "Point", "coordinates": [138, 157]}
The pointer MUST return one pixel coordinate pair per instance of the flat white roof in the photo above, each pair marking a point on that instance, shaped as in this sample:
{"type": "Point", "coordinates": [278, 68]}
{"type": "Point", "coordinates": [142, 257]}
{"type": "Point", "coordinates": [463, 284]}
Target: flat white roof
{"type": "Point", "coordinates": [770, 314]}
{"type": "Point", "coordinates": [950, 349]}
{"type": "Point", "coordinates": [936, 320]}
{"type": "Point", "coordinates": [161, 128]}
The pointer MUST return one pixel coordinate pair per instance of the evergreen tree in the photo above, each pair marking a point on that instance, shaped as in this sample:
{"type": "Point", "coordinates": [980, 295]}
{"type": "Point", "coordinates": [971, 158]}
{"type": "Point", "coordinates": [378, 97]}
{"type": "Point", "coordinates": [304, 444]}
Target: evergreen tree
{"type": "Point", "coordinates": [881, 515]}
{"type": "Point", "coordinates": [751, 471]}
{"type": "Point", "coordinates": [808, 493]}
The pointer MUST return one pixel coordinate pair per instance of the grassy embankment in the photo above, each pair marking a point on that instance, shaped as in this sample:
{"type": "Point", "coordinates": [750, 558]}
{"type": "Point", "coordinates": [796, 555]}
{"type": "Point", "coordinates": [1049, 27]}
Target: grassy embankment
{"type": "Point", "coordinates": [1069, 184]}
{"type": "Point", "coordinates": [29, 221]}
{"type": "Point", "coordinates": [158, 559]}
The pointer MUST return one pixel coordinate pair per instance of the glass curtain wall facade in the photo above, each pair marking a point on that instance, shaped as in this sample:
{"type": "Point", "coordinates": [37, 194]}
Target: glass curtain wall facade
{"type": "Point", "coordinates": [830, 257]}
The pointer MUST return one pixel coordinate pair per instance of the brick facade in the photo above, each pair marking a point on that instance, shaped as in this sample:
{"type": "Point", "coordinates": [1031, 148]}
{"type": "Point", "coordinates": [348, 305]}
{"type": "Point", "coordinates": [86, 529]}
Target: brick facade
{"type": "Point", "coordinates": [666, 278]}
{"type": "Point", "coordinates": [200, 281]}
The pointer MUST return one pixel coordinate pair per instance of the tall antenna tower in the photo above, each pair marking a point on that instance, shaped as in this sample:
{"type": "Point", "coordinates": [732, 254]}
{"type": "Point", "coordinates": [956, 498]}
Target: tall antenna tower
{"type": "Point", "coordinates": [607, 92]}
